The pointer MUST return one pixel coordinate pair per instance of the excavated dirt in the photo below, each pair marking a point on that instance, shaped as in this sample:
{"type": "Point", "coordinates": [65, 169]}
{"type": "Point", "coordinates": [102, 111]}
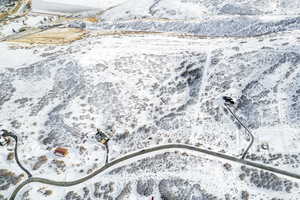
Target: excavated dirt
{"type": "Point", "coordinates": [53, 36]}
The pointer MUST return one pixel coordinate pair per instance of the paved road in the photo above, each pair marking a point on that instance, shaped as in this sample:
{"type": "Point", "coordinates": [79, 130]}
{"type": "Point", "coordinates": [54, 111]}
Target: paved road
{"type": "Point", "coordinates": [146, 151]}
{"type": "Point", "coordinates": [107, 153]}
{"type": "Point", "coordinates": [248, 131]}
{"type": "Point", "coordinates": [8, 134]}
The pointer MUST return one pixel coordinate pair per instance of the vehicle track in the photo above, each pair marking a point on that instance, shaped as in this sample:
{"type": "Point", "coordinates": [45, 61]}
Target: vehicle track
{"type": "Point", "coordinates": [146, 151]}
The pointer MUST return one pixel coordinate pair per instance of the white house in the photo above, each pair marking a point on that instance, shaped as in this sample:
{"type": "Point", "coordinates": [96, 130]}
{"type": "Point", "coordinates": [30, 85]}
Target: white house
{"type": "Point", "coordinates": [71, 6]}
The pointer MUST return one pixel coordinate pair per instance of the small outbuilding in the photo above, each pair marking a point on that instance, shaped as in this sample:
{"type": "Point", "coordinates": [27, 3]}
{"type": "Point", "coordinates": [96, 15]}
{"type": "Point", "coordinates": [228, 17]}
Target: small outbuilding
{"type": "Point", "coordinates": [4, 140]}
{"type": "Point", "coordinates": [228, 100]}
{"type": "Point", "coordinates": [62, 152]}
{"type": "Point", "coordinates": [101, 137]}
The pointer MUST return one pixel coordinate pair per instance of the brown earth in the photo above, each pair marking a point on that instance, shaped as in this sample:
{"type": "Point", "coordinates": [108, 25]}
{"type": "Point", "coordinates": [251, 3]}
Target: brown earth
{"type": "Point", "coordinates": [52, 36]}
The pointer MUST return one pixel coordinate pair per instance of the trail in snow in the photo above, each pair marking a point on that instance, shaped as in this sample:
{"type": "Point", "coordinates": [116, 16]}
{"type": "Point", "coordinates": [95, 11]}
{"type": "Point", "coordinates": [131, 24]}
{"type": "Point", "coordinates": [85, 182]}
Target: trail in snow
{"type": "Point", "coordinates": [151, 7]}
{"type": "Point", "coordinates": [205, 73]}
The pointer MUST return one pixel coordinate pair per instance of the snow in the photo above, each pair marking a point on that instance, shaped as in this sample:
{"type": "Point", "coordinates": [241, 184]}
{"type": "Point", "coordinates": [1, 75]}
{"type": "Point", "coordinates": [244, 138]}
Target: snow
{"type": "Point", "coordinates": [70, 6]}
{"type": "Point", "coordinates": [131, 84]}
{"type": "Point", "coordinates": [148, 89]}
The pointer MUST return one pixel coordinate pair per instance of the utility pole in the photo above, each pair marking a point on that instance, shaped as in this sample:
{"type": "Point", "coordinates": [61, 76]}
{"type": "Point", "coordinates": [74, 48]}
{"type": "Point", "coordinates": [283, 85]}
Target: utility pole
{"type": "Point", "coordinates": [228, 101]}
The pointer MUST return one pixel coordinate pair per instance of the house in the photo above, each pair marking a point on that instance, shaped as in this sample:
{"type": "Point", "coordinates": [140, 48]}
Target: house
{"type": "Point", "coordinates": [71, 6]}
{"type": "Point", "coordinates": [101, 137]}
{"type": "Point", "coordinates": [62, 152]}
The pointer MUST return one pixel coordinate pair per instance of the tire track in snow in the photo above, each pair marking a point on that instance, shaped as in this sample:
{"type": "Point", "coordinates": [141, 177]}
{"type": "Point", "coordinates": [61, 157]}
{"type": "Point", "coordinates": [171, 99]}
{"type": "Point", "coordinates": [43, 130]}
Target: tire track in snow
{"type": "Point", "coordinates": [205, 73]}
{"type": "Point", "coordinates": [151, 7]}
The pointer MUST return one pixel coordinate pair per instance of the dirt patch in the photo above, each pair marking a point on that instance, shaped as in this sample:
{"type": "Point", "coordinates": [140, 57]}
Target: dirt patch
{"type": "Point", "coordinates": [53, 36]}
{"type": "Point", "coordinates": [91, 19]}
{"type": "Point", "coordinates": [72, 19]}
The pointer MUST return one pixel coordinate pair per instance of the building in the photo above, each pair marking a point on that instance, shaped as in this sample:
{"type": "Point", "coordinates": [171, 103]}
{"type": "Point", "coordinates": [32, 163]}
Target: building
{"type": "Point", "coordinates": [62, 152]}
{"type": "Point", "coordinates": [101, 137]}
{"type": "Point", "coordinates": [71, 6]}
{"type": "Point", "coordinates": [3, 140]}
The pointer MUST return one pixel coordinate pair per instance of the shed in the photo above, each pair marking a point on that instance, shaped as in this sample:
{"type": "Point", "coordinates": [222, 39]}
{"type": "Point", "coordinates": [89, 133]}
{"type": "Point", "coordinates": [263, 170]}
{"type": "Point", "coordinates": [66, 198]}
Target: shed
{"type": "Point", "coordinates": [62, 152]}
{"type": "Point", "coordinates": [4, 139]}
{"type": "Point", "coordinates": [101, 137]}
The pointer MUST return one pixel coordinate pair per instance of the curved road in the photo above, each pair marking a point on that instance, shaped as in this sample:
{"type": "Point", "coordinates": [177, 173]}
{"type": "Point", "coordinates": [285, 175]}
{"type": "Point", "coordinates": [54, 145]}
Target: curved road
{"type": "Point", "coordinates": [8, 134]}
{"type": "Point", "coordinates": [249, 133]}
{"type": "Point", "coordinates": [146, 151]}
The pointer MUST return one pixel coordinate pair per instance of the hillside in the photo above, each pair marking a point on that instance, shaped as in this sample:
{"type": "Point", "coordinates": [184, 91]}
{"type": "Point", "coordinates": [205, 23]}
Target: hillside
{"type": "Point", "coordinates": [152, 73]}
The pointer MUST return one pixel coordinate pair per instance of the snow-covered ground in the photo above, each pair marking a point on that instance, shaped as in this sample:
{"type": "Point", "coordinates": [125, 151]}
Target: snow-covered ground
{"type": "Point", "coordinates": [199, 9]}
{"type": "Point", "coordinates": [70, 6]}
{"type": "Point", "coordinates": [153, 73]}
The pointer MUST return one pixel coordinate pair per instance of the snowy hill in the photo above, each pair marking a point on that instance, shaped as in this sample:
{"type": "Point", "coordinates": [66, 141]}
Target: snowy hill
{"type": "Point", "coordinates": [70, 6]}
{"type": "Point", "coordinates": [152, 73]}
{"type": "Point", "coordinates": [198, 9]}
